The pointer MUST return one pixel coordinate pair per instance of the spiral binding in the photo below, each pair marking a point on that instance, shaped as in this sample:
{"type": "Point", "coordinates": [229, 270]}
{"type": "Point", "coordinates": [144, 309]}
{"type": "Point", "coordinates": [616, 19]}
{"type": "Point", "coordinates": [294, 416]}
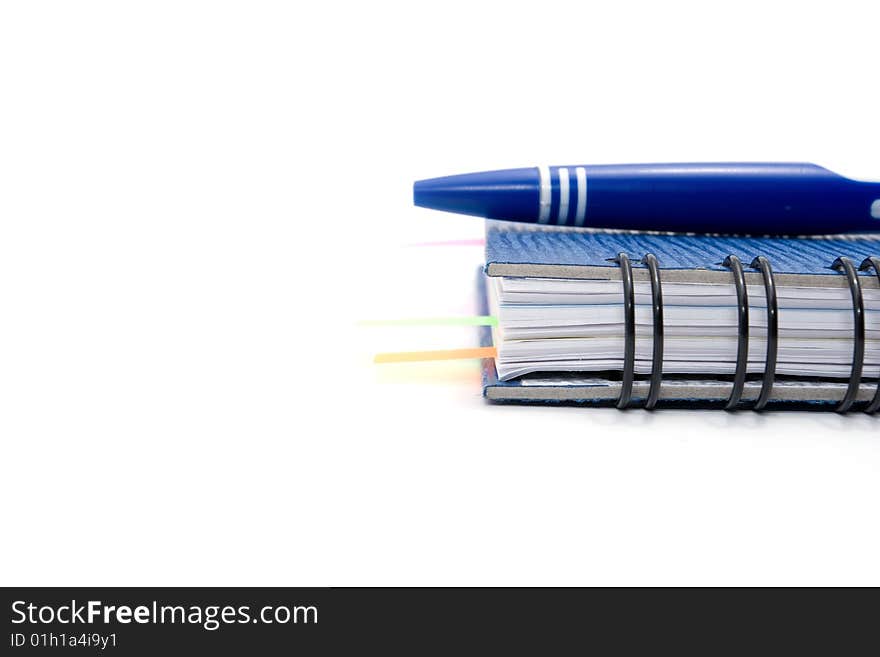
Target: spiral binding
{"type": "Point", "coordinates": [763, 265]}
{"type": "Point", "coordinates": [858, 359]}
{"type": "Point", "coordinates": [629, 330]}
{"type": "Point", "coordinates": [742, 346]}
{"type": "Point", "coordinates": [872, 262]}
{"type": "Point", "coordinates": [732, 262]}
{"type": "Point", "coordinates": [650, 261]}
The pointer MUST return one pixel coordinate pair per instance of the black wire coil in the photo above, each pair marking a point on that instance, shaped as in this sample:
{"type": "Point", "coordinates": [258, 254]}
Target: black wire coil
{"type": "Point", "coordinates": [650, 261]}
{"type": "Point", "coordinates": [872, 262]}
{"type": "Point", "coordinates": [763, 265]}
{"type": "Point", "coordinates": [629, 330]}
{"type": "Point", "coordinates": [858, 304]}
{"type": "Point", "coordinates": [742, 346]}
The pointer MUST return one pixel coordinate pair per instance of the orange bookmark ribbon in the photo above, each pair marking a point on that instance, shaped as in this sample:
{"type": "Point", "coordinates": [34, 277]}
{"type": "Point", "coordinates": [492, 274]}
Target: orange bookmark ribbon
{"type": "Point", "coordinates": [443, 354]}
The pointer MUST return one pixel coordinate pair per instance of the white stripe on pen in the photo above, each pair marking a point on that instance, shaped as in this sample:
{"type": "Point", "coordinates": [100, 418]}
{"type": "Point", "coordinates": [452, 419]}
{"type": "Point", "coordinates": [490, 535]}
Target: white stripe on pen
{"type": "Point", "coordinates": [544, 195]}
{"type": "Point", "coordinates": [581, 178]}
{"type": "Point", "coordinates": [562, 215]}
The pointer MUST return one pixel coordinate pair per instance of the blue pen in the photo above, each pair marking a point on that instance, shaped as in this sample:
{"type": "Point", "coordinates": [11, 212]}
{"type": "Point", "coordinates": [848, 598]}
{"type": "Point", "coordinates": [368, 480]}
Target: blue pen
{"type": "Point", "coordinates": [755, 198]}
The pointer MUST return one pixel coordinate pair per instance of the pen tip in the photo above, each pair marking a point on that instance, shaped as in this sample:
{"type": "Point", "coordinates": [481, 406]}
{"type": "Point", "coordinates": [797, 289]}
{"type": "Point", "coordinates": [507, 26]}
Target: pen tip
{"type": "Point", "coordinates": [416, 185]}
{"type": "Point", "coordinates": [510, 194]}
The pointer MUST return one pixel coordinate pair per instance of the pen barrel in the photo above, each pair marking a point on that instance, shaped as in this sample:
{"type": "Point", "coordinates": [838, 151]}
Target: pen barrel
{"type": "Point", "coordinates": [761, 198]}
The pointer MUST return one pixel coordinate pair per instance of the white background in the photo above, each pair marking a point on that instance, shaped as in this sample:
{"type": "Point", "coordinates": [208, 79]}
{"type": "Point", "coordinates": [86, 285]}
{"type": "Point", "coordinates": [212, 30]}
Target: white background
{"type": "Point", "coordinates": [198, 201]}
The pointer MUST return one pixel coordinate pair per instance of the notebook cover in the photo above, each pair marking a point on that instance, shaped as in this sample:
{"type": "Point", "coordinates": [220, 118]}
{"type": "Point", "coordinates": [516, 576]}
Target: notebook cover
{"type": "Point", "coordinates": [524, 244]}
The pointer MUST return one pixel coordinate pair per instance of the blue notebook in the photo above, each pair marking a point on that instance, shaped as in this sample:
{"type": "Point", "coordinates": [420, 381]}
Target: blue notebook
{"type": "Point", "coordinates": [562, 327]}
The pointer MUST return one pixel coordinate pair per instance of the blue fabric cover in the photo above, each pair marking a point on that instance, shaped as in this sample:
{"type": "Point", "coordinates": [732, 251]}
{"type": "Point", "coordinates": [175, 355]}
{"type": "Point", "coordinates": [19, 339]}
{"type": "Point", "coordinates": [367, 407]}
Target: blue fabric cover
{"type": "Point", "coordinates": [510, 243]}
